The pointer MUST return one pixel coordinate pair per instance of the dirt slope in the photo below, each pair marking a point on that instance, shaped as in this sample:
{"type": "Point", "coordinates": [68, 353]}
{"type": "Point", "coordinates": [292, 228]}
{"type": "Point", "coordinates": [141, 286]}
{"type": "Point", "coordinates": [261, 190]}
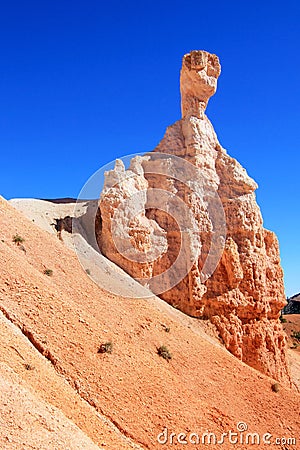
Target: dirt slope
{"type": "Point", "coordinates": [45, 214]}
{"type": "Point", "coordinates": [35, 396]}
{"type": "Point", "coordinates": [67, 317]}
{"type": "Point", "coordinates": [291, 326]}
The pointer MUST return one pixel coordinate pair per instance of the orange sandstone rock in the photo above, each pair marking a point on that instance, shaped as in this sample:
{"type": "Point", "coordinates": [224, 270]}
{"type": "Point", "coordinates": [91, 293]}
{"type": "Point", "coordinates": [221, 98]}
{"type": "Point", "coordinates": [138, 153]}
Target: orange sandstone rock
{"type": "Point", "coordinates": [244, 293]}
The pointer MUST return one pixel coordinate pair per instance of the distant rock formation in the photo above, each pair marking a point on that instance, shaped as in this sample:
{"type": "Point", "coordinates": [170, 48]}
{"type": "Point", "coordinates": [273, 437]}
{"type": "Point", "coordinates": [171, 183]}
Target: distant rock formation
{"type": "Point", "coordinates": [244, 295]}
{"type": "Point", "coordinates": [293, 305]}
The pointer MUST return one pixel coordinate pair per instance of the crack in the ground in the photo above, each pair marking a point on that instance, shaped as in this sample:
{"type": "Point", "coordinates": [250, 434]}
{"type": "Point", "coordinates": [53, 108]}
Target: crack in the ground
{"type": "Point", "coordinates": [33, 339]}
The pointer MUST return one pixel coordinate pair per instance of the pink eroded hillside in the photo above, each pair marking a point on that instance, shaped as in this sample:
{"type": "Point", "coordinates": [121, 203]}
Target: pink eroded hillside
{"type": "Point", "coordinates": [58, 391]}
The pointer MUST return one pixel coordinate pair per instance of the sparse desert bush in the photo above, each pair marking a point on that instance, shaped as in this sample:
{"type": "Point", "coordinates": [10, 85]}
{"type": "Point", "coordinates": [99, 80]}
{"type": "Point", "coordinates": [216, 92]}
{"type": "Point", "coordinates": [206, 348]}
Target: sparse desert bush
{"type": "Point", "coordinates": [296, 335]}
{"type": "Point", "coordinates": [164, 352]}
{"type": "Point", "coordinates": [17, 239]}
{"type": "Point", "coordinates": [88, 271]}
{"type": "Point", "coordinates": [107, 347]}
{"type": "Point", "coordinates": [28, 366]}
{"type": "Point", "coordinates": [294, 346]}
{"type": "Point", "coordinates": [275, 387]}
{"type": "Point", "coordinates": [282, 319]}
{"type": "Point", "coordinates": [48, 272]}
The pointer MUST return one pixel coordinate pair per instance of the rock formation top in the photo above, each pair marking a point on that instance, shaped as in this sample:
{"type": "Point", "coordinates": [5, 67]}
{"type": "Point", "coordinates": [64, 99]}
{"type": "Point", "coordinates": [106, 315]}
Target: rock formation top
{"type": "Point", "coordinates": [198, 81]}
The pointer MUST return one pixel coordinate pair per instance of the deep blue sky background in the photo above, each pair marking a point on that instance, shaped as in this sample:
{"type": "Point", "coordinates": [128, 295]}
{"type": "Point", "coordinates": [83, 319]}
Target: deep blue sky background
{"type": "Point", "coordinates": [84, 82]}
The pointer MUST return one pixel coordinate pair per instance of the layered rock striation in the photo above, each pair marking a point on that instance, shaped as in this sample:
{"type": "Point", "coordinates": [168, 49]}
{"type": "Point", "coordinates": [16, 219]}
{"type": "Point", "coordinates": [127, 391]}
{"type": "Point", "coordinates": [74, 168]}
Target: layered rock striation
{"type": "Point", "coordinates": [146, 231]}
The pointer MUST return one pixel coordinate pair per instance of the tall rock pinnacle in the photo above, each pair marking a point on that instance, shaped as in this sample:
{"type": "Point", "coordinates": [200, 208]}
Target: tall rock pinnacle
{"type": "Point", "coordinates": [181, 194]}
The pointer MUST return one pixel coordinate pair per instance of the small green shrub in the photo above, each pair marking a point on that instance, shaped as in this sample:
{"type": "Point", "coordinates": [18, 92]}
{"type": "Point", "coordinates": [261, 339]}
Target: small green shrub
{"type": "Point", "coordinates": [282, 319]}
{"type": "Point", "coordinates": [296, 335]}
{"type": "Point", "coordinates": [17, 239]}
{"type": "Point", "coordinates": [28, 366]}
{"type": "Point", "coordinates": [107, 347]}
{"type": "Point", "coordinates": [48, 272]}
{"type": "Point", "coordinates": [164, 352]}
{"type": "Point", "coordinates": [88, 271]}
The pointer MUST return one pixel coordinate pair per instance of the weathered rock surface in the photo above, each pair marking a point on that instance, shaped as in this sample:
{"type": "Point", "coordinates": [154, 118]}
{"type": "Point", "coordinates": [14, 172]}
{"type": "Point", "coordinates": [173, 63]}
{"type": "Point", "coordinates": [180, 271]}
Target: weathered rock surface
{"type": "Point", "coordinates": [127, 236]}
{"type": "Point", "coordinates": [244, 294]}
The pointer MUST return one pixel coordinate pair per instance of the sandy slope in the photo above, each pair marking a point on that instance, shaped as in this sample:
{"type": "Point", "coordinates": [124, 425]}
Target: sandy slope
{"type": "Point", "coordinates": [67, 317]}
{"type": "Point", "coordinates": [30, 422]}
{"type": "Point", "coordinates": [35, 396]}
{"type": "Point", "coordinates": [291, 326]}
{"type": "Point", "coordinates": [44, 214]}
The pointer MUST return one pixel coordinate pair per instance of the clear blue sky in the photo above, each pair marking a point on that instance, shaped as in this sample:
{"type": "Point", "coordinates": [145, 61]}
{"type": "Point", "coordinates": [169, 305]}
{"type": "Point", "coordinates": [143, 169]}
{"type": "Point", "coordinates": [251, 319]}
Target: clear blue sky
{"type": "Point", "coordinates": [82, 82]}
